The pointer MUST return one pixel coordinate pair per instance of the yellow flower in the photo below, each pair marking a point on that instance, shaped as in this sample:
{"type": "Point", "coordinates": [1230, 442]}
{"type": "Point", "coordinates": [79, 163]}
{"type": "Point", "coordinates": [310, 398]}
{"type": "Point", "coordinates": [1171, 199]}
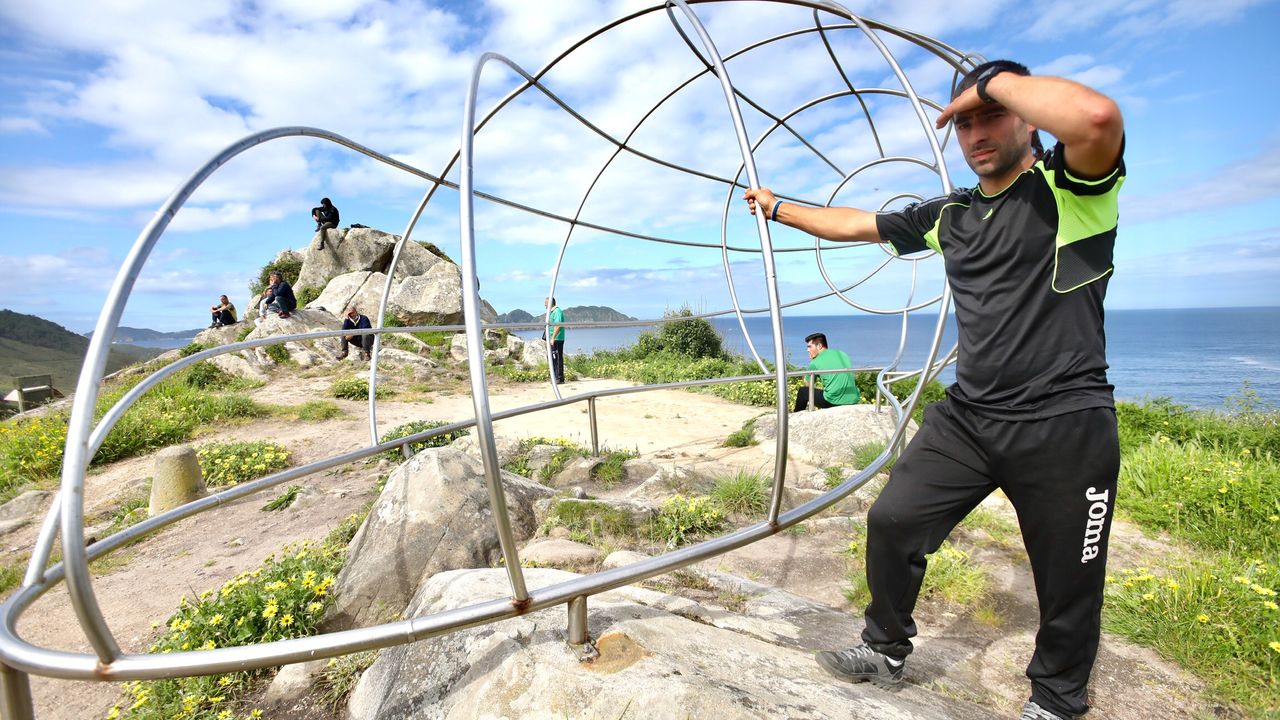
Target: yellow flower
{"type": "Point", "coordinates": [255, 713]}
{"type": "Point", "coordinates": [224, 680]}
{"type": "Point", "coordinates": [1274, 646]}
{"type": "Point", "coordinates": [315, 607]}
{"type": "Point", "coordinates": [269, 611]}
{"type": "Point", "coordinates": [115, 713]}
{"type": "Point", "coordinates": [1222, 489]}
{"type": "Point", "coordinates": [1202, 618]}
{"type": "Point", "coordinates": [216, 619]}
{"type": "Point", "coordinates": [1173, 585]}
{"type": "Point", "coordinates": [1270, 605]}
{"type": "Point", "coordinates": [1148, 596]}
{"type": "Point", "coordinates": [286, 620]}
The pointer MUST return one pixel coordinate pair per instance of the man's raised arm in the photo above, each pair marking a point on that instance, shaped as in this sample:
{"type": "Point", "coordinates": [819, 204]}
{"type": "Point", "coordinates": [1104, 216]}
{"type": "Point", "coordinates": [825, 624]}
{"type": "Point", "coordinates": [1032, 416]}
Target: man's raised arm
{"type": "Point", "coordinates": [839, 224]}
{"type": "Point", "coordinates": [1087, 122]}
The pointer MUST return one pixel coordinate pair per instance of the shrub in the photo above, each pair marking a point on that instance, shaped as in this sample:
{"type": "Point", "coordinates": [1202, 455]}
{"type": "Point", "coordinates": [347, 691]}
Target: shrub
{"type": "Point", "coordinates": [691, 337]}
{"type": "Point", "coordinates": [682, 519]}
{"type": "Point", "coordinates": [865, 454]}
{"type": "Point", "coordinates": [192, 348]}
{"type": "Point", "coordinates": [518, 374]}
{"type": "Point", "coordinates": [417, 426]}
{"type": "Point", "coordinates": [279, 354]}
{"type": "Point", "coordinates": [316, 410]}
{"type": "Point", "coordinates": [244, 332]}
{"type": "Point", "coordinates": [205, 374]}
{"type": "Point", "coordinates": [288, 268]}
{"type": "Point", "coordinates": [742, 493]}
{"type": "Point", "coordinates": [743, 437]}
{"type": "Point", "coordinates": [953, 576]}
{"type": "Point", "coordinates": [282, 599]}
{"type": "Point", "coordinates": [306, 295]}
{"type": "Point", "coordinates": [355, 388]}
{"type": "Point", "coordinates": [232, 463]}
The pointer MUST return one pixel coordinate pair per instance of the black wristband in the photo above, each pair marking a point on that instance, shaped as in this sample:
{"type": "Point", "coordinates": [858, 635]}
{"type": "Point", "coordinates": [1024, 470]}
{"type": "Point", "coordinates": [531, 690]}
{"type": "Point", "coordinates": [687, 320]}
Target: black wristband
{"type": "Point", "coordinates": [985, 78]}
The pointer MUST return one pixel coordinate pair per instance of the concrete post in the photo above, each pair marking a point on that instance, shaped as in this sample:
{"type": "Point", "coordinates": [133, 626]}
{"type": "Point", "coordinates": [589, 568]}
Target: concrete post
{"type": "Point", "coordinates": [176, 480]}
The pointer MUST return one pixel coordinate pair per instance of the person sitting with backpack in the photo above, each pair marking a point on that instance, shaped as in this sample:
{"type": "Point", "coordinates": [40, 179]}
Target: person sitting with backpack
{"type": "Point", "coordinates": [326, 217]}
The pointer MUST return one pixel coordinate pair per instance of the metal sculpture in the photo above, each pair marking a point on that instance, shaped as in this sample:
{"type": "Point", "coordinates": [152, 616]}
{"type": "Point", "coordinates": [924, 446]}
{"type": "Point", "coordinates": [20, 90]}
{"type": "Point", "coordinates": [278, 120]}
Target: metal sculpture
{"type": "Point", "coordinates": [19, 658]}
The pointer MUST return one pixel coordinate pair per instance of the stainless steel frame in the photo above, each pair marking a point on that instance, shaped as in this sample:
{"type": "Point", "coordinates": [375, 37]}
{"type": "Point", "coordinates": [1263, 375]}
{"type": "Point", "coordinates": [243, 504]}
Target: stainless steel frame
{"type": "Point", "coordinates": [108, 661]}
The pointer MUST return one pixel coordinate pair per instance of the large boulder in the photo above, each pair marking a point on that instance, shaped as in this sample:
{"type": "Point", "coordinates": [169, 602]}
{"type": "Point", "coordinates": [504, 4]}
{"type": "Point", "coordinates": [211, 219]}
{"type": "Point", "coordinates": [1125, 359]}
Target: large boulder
{"type": "Point", "coordinates": [829, 436]}
{"type": "Point", "coordinates": [433, 515]}
{"type": "Point", "coordinates": [659, 656]}
{"type": "Point", "coordinates": [361, 287]}
{"type": "Point", "coordinates": [434, 298]}
{"type": "Point", "coordinates": [307, 353]}
{"type": "Point", "coordinates": [347, 250]}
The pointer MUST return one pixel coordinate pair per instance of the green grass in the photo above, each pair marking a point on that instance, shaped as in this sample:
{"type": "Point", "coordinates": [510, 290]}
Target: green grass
{"type": "Point", "coordinates": [417, 426]}
{"type": "Point", "coordinates": [170, 413]}
{"type": "Point", "coordinates": [591, 522]}
{"type": "Point", "coordinates": [1209, 480]}
{"type": "Point", "coordinates": [742, 493]}
{"type": "Point", "coordinates": [951, 575]}
{"type": "Point", "coordinates": [864, 455]}
{"type": "Point", "coordinates": [284, 598]}
{"type": "Point", "coordinates": [283, 500]}
{"type": "Point", "coordinates": [686, 519]}
{"type": "Point", "coordinates": [742, 437]}
{"type": "Point", "coordinates": [610, 471]}
{"type": "Point", "coordinates": [229, 463]}
{"type": "Point", "coordinates": [356, 388]}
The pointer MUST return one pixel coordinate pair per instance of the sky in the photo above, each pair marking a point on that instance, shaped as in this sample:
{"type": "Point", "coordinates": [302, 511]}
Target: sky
{"type": "Point", "coordinates": [108, 106]}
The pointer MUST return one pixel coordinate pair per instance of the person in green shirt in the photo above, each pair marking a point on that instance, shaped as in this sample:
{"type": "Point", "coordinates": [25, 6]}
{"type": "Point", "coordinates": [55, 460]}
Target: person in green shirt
{"type": "Point", "coordinates": [555, 318]}
{"type": "Point", "coordinates": [829, 390]}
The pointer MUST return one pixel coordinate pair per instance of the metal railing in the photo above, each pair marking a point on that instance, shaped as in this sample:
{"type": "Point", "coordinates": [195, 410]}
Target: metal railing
{"type": "Point", "coordinates": [19, 658]}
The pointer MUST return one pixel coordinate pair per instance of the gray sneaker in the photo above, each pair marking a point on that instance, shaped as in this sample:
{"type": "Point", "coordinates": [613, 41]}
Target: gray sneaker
{"type": "Point", "coordinates": [1033, 711]}
{"type": "Point", "coordinates": [863, 664]}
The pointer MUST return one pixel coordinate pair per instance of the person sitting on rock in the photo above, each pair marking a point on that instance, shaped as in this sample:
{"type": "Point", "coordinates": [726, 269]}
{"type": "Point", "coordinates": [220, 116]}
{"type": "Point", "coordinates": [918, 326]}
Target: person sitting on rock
{"type": "Point", "coordinates": [224, 313]}
{"type": "Point", "coordinates": [830, 390]}
{"type": "Point", "coordinates": [278, 297]}
{"type": "Point", "coordinates": [326, 217]}
{"type": "Point", "coordinates": [355, 321]}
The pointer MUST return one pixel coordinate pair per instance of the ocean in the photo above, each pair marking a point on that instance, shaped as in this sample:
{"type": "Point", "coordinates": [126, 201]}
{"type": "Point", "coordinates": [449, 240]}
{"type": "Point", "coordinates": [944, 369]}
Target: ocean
{"type": "Point", "coordinates": [1196, 357]}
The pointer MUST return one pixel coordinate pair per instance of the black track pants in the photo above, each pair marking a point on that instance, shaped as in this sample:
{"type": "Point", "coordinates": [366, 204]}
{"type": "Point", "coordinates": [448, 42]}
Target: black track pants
{"type": "Point", "coordinates": [1059, 473]}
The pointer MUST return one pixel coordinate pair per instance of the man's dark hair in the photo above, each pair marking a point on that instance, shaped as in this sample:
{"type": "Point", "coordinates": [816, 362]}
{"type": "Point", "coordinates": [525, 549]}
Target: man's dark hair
{"type": "Point", "coordinates": [819, 338]}
{"type": "Point", "coordinates": [325, 201]}
{"type": "Point", "coordinates": [971, 78]}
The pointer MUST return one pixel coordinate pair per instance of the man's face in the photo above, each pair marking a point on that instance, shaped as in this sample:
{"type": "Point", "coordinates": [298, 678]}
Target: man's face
{"type": "Point", "coordinates": [351, 313]}
{"type": "Point", "coordinates": [814, 348]}
{"type": "Point", "coordinates": [223, 299]}
{"type": "Point", "coordinates": [995, 142]}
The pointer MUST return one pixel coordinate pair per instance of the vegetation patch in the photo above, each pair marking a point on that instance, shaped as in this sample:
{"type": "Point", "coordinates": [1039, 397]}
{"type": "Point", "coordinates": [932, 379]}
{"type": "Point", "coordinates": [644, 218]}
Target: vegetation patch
{"type": "Point", "coordinates": [192, 348]}
{"type": "Point", "coordinates": [743, 493]}
{"type": "Point", "coordinates": [230, 463]}
{"type": "Point", "coordinates": [282, 599]}
{"type": "Point", "coordinates": [610, 470]}
{"type": "Point", "coordinates": [314, 411]}
{"type": "Point", "coordinates": [356, 388]}
{"type": "Point", "coordinates": [864, 455]}
{"type": "Point", "coordinates": [31, 448]}
{"type": "Point", "coordinates": [743, 437]}
{"type": "Point", "coordinates": [593, 520]}
{"type": "Point", "coordinates": [289, 268]}
{"type": "Point", "coordinates": [415, 427]}
{"type": "Point", "coordinates": [279, 354]}
{"type": "Point", "coordinates": [685, 519]}
{"type": "Point", "coordinates": [283, 500]}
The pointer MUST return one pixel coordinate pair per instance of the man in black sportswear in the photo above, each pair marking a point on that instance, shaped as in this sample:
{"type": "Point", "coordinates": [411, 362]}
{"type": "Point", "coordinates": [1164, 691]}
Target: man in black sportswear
{"type": "Point", "coordinates": [1028, 255]}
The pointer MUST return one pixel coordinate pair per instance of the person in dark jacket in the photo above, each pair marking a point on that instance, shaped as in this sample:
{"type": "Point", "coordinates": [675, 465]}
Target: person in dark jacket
{"type": "Point", "coordinates": [355, 321]}
{"type": "Point", "coordinates": [278, 297]}
{"type": "Point", "coordinates": [326, 217]}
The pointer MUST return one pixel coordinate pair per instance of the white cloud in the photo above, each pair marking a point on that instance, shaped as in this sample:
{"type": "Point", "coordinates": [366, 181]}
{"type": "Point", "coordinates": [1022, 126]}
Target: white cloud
{"type": "Point", "coordinates": [22, 125]}
{"type": "Point", "coordinates": [1242, 183]}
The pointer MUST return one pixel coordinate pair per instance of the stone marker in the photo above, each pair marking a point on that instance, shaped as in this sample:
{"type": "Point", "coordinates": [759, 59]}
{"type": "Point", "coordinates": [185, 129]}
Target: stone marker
{"type": "Point", "coordinates": [176, 480]}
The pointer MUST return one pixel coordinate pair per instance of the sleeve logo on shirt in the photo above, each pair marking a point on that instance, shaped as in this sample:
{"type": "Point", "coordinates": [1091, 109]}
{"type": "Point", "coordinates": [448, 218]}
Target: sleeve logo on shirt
{"type": "Point", "coordinates": [990, 212]}
{"type": "Point", "coordinates": [1093, 526]}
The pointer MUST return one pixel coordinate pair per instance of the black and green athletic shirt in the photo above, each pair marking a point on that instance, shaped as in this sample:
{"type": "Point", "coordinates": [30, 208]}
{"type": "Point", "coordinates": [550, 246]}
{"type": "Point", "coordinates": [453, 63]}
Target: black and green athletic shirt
{"type": "Point", "coordinates": [1028, 268]}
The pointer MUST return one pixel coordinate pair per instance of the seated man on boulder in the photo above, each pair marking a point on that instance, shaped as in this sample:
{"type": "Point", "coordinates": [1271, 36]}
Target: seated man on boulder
{"type": "Point", "coordinates": [829, 390]}
{"type": "Point", "coordinates": [278, 297]}
{"type": "Point", "coordinates": [326, 217]}
{"type": "Point", "coordinates": [355, 321]}
{"type": "Point", "coordinates": [224, 313]}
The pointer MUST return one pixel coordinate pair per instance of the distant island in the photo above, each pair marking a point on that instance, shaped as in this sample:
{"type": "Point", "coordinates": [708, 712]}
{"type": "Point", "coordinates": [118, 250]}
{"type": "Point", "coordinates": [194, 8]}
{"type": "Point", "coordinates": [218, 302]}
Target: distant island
{"type": "Point", "coordinates": [577, 313]}
{"type": "Point", "coordinates": [126, 334]}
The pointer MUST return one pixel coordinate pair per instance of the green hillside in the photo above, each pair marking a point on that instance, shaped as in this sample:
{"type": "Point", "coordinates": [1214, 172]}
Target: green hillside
{"type": "Point", "coordinates": [31, 345]}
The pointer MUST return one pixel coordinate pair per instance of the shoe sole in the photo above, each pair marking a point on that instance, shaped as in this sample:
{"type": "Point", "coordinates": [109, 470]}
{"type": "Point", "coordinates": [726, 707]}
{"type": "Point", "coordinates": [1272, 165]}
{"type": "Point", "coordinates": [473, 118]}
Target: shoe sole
{"type": "Point", "coordinates": [876, 680]}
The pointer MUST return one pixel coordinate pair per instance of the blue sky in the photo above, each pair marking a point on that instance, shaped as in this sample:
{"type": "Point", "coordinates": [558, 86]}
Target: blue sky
{"type": "Point", "coordinates": [107, 106]}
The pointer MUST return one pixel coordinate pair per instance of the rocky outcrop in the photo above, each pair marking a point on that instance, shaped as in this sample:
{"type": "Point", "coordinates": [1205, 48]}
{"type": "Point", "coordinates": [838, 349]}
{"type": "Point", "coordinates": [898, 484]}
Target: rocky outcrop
{"type": "Point", "coordinates": [659, 656]}
{"type": "Point", "coordinates": [829, 436]}
{"type": "Point", "coordinates": [433, 515]}
{"type": "Point", "coordinates": [360, 249]}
